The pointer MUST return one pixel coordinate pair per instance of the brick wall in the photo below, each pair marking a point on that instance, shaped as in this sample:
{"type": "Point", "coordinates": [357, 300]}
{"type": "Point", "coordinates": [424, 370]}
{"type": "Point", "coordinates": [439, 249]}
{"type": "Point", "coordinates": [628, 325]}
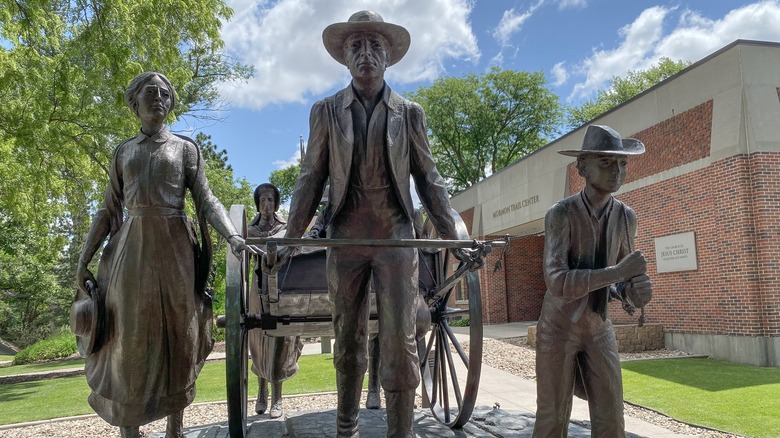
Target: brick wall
{"type": "Point", "coordinates": [524, 282]}
{"type": "Point", "coordinates": [468, 218]}
{"type": "Point", "coordinates": [765, 186]}
{"type": "Point", "coordinates": [493, 287]}
{"type": "Point", "coordinates": [676, 141]}
{"type": "Point", "coordinates": [514, 292]}
{"type": "Point", "coordinates": [733, 206]}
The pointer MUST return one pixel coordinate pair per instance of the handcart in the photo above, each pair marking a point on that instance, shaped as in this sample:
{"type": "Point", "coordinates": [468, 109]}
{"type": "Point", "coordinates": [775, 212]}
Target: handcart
{"type": "Point", "coordinates": [294, 302]}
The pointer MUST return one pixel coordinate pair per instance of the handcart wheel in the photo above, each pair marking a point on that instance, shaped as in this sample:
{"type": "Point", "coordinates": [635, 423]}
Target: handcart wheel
{"type": "Point", "coordinates": [450, 375]}
{"type": "Point", "coordinates": [237, 357]}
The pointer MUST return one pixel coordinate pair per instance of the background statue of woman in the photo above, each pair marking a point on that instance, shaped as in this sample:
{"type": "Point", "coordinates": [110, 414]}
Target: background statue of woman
{"type": "Point", "coordinates": [274, 359]}
{"type": "Point", "coordinates": [152, 274]}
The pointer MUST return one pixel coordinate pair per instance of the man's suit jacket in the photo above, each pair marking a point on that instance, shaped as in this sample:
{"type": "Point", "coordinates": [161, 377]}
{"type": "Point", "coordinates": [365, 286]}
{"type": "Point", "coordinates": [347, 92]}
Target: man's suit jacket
{"type": "Point", "coordinates": [329, 156]}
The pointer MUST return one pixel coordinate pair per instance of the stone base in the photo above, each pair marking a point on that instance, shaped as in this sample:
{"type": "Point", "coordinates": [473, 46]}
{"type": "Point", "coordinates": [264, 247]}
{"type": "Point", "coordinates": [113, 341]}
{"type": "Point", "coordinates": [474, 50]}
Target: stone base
{"type": "Point", "coordinates": [630, 337]}
{"type": "Point", "coordinates": [485, 423]}
{"type": "Point", "coordinates": [752, 350]}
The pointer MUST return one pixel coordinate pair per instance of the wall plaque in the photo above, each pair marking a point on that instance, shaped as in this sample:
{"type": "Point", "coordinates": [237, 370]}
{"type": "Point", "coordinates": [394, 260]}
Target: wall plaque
{"type": "Point", "coordinates": [676, 253]}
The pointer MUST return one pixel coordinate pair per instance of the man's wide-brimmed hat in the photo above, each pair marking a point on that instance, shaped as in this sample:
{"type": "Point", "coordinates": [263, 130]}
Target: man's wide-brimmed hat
{"type": "Point", "coordinates": [87, 321]}
{"type": "Point", "coordinates": [366, 21]}
{"type": "Point", "coordinates": [605, 140]}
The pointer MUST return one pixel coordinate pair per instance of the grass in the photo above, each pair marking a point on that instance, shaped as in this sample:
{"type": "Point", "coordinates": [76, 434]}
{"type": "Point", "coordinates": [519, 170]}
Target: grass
{"type": "Point", "coordinates": [741, 399]}
{"type": "Point", "coordinates": [37, 367]}
{"type": "Point", "coordinates": [6, 358]}
{"type": "Point", "coordinates": [63, 344]}
{"type": "Point", "coordinates": [45, 399]}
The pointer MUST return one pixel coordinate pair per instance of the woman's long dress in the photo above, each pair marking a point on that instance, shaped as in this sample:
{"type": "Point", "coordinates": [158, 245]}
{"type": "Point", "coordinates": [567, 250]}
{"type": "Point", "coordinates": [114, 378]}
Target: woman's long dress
{"type": "Point", "coordinates": [274, 358]}
{"type": "Point", "coordinates": [158, 330]}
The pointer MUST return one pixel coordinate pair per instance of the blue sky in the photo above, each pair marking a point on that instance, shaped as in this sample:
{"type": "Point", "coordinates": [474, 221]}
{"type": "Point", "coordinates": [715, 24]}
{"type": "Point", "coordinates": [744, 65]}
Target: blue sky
{"type": "Point", "coordinates": [578, 44]}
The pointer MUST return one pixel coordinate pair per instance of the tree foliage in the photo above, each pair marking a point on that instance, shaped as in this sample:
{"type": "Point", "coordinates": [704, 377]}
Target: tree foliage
{"type": "Point", "coordinates": [481, 123]}
{"type": "Point", "coordinates": [622, 89]}
{"type": "Point", "coordinates": [211, 154]}
{"type": "Point", "coordinates": [64, 66]}
{"type": "Point", "coordinates": [230, 191]}
{"type": "Point", "coordinates": [284, 179]}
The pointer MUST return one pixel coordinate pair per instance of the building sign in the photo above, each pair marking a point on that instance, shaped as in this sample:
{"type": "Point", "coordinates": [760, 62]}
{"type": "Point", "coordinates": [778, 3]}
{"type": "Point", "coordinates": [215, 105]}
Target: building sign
{"type": "Point", "coordinates": [676, 253]}
{"type": "Point", "coordinates": [519, 205]}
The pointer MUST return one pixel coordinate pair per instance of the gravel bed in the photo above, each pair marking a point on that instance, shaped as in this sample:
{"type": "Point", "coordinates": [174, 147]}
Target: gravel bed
{"type": "Point", "coordinates": [516, 357]}
{"type": "Point", "coordinates": [510, 355]}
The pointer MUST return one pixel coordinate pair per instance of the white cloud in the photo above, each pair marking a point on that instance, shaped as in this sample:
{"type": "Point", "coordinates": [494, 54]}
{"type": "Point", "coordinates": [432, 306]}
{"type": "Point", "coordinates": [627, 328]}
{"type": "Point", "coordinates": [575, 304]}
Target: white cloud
{"type": "Point", "coordinates": [295, 159]}
{"type": "Point", "coordinates": [283, 40]}
{"type": "Point", "coordinates": [639, 39]}
{"type": "Point", "coordinates": [560, 74]}
{"type": "Point", "coordinates": [566, 4]}
{"type": "Point", "coordinates": [512, 22]}
{"type": "Point", "coordinates": [693, 38]}
{"type": "Point", "coordinates": [697, 36]}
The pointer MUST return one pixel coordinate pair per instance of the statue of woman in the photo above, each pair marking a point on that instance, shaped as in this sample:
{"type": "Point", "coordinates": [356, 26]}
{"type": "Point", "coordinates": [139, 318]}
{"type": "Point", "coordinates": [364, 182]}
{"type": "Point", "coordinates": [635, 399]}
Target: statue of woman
{"type": "Point", "coordinates": [274, 359]}
{"type": "Point", "coordinates": [153, 271]}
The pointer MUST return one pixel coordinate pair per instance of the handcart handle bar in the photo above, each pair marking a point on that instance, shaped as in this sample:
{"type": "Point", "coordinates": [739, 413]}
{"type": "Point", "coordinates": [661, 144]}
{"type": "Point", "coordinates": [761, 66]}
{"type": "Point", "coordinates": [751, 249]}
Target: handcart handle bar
{"type": "Point", "coordinates": [393, 243]}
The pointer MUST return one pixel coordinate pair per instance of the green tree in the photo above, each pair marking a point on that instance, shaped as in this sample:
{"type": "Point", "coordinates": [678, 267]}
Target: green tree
{"type": "Point", "coordinates": [64, 66]}
{"type": "Point", "coordinates": [211, 155]}
{"type": "Point", "coordinates": [230, 191]}
{"type": "Point", "coordinates": [481, 123]}
{"type": "Point", "coordinates": [622, 89]}
{"type": "Point", "coordinates": [284, 179]}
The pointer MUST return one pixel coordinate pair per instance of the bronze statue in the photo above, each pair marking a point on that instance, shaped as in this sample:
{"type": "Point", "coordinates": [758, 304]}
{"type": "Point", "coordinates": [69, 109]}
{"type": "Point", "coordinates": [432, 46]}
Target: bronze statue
{"type": "Point", "coordinates": [588, 250]}
{"type": "Point", "coordinates": [274, 359]}
{"type": "Point", "coordinates": [155, 315]}
{"type": "Point", "coordinates": [366, 141]}
{"type": "Point", "coordinates": [422, 230]}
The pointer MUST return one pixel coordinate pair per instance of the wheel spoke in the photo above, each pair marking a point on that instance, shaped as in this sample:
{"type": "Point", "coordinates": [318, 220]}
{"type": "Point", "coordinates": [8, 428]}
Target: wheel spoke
{"type": "Point", "coordinates": [435, 372]}
{"type": "Point", "coordinates": [424, 359]}
{"type": "Point", "coordinates": [445, 399]}
{"type": "Point", "coordinates": [458, 348]}
{"type": "Point", "coordinates": [442, 385]}
{"type": "Point", "coordinates": [453, 373]}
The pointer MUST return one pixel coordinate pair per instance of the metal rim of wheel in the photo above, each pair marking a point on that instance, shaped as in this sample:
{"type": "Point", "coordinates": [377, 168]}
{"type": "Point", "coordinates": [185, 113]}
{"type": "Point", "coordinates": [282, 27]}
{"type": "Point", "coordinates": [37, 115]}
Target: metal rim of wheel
{"type": "Point", "coordinates": [450, 397]}
{"type": "Point", "coordinates": [236, 347]}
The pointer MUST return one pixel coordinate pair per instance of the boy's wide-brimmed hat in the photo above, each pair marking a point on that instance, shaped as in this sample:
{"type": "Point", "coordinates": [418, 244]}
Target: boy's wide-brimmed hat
{"type": "Point", "coordinates": [87, 321]}
{"type": "Point", "coordinates": [366, 21]}
{"type": "Point", "coordinates": [605, 140]}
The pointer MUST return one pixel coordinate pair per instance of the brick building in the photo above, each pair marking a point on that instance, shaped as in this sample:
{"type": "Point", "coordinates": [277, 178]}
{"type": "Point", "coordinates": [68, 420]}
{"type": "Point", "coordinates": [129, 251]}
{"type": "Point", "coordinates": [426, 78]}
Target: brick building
{"type": "Point", "coordinates": [707, 197]}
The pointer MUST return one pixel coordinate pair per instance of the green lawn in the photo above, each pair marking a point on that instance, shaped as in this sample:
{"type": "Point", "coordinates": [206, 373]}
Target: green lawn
{"type": "Point", "coordinates": [5, 358]}
{"type": "Point", "coordinates": [64, 397]}
{"type": "Point", "coordinates": [741, 399]}
{"type": "Point", "coordinates": [48, 366]}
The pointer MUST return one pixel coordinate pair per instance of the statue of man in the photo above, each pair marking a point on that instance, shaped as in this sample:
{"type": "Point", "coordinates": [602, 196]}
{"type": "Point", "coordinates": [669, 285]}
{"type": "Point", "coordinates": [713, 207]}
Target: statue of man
{"type": "Point", "coordinates": [588, 249]}
{"type": "Point", "coordinates": [367, 141]}
{"type": "Point", "coordinates": [274, 358]}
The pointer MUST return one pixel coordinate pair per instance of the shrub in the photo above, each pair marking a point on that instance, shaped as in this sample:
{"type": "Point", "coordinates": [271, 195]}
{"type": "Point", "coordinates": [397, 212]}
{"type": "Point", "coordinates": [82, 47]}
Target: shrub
{"type": "Point", "coordinates": [218, 334]}
{"type": "Point", "coordinates": [62, 344]}
{"type": "Point", "coordinates": [464, 322]}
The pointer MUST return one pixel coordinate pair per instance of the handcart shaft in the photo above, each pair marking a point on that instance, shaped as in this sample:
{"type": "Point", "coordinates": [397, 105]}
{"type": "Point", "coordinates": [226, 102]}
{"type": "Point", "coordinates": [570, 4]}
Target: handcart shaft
{"type": "Point", "coordinates": [393, 243]}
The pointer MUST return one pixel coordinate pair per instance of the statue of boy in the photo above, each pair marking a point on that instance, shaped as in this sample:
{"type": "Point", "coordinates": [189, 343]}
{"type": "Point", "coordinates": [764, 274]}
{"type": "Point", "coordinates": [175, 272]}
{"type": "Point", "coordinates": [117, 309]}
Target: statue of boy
{"type": "Point", "coordinates": [368, 141]}
{"type": "Point", "coordinates": [588, 249]}
{"type": "Point", "coordinates": [274, 358]}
